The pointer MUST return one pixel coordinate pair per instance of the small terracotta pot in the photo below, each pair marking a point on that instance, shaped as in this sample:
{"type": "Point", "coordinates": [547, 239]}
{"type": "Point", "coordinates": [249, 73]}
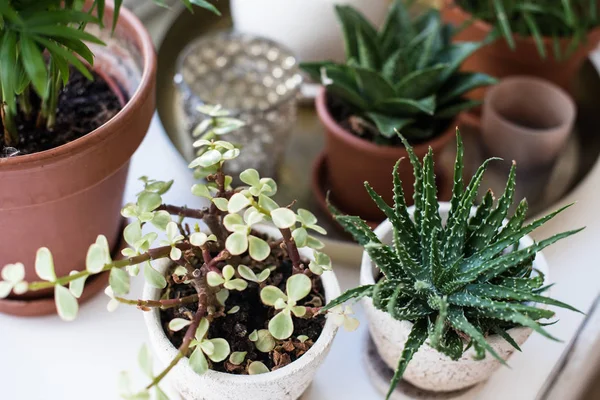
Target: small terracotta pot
{"type": "Point", "coordinates": [287, 383]}
{"type": "Point", "coordinates": [351, 161]}
{"type": "Point", "coordinates": [429, 369]}
{"type": "Point", "coordinates": [498, 60]}
{"type": "Point", "coordinates": [64, 197]}
{"type": "Point", "coordinates": [527, 120]}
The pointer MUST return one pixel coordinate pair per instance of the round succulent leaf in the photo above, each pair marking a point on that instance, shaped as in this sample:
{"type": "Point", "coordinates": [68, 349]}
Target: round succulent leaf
{"type": "Point", "coordinates": [264, 274]}
{"type": "Point", "coordinates": [258, 248]}
{"type": "Point", "coordinates": [153, 277]}
{"type": "Point", "coordinates": [161, 219]}
{"type": "Point", "coordinates": [13, 273]}
{"type": "Point", "coordinates": [299, 311]}
{"type": "Point", "coordinates": [221, 349]}
{"type": "Point", "coordinates": [76, 286]}
{"type": "Point", "coordinates": [209, 158]}
{"type": "Point", "coordinates": [306, 217]}
{"type": "Point", "coordinates": [224, 144]}
{"type": "Point", "coordinates": [20, 288]}
{"type": "Point", "coordinates": [119, 281]}
{"type": "Point", "coordinates": [129, 210]}
{"type": "Point", "coordinates": [173, 233]}
{"type": "Point", "coordinates": [132, 233]}
{"type": "Point", "coordinates": [252, 216]}
{"type": "Point", "coordinates": [214, 279]}
{"type": "Point", "coordinates": [298, 286]}
{"type": "Point", "coordinates": [159, 187]}
{"type": "Point", "coordinates": [207, 347]}
{"type": "Point", "coordinates": [247, 273]}
{"type": "Point", "coordinates": [257, 368]}
{"type": "Point", "coordinates": [222, 296]}
{"type": "Point", "coordinates": [280, 304]}
{"type": "Point", "coordinates": [318, 229]}
{"type": "Point", "coordinates": [145, 361]}
{"type": "Point", "coordinates": [268, 187]}
{"type": "Point", "coordinates": [234, 310]}
{"type": "Point", "coordinates": [66, 303]}
{"type": "Point", "coordinates": [175, 253]}
{"type": "Point", "coordinates": [231, 154]}
{"type": "Point", "coordinates": [236, 284]}
{"type": "Point", "coordinates": [315, 268]}
{"type": "Point", "coordinates": [303, 338]}
{"type": "Point", "coordinates": [180, 270]}
{"type": "Point", "coordinates": [220, 203]}
{"type": "Point", "coordinates": [231, 221]}
{"type": "Point", "coordinates": [5, 289]}
{"type": "Point", "coordinates": [264, 342]}
{"type": "Point", "coordinates": [237, 203]}
{"type": "Point", "coordinates": [351, 324]}
{"type": "Point", "coordinates": [129, 252]}
{"type": "Point", "coordinates": [198, 361]}
{"type": "Point", "coordinates": [200, 129]}
{"type": "Point", "coordinates": [237, 357]}
{"type": "Point", "coordinates": [228, 272]}
{"type": "Point", "coordinates": [227, 125]}
{"type": "Point", "coordinates": [250, 177]}
{"type": "Point", "coordinates": [143, 245]}
{"type": "Point", "coordinates": [253, 337]}
{"type": "Point", "coordinates": [267, 203]}
{"type": "Point", "coordinates": [300, 236]}
{"type": "Point", "coordinates": [270, 294]}
{"type": "Point", "coordinates": [237, 243]}
{"type": "Point", "coordinates": [283, 218]}
{"type": "Point", "coordinates": [281, 325]}
{"type": "Point", "coordinates": [177, 324]}
{"type": "Point", "coordinates": [314, 243]}
{"type": "Point", "coordinates": [148, 201]}
{"type": "Point", "coordinates": [133, 270]}
{"type": "Point", "coordinates": [198, 239]}
{"type": "Point", "coordinates": [202, 329]}
{"type": "Point", "coordinates": [201, 191]}
{"type": "Point", "coordinates": [44, 265]}
{"type": "Point", "coordinates": [124, 384]}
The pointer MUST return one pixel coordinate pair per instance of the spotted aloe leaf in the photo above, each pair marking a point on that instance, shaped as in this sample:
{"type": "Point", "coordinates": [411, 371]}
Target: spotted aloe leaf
{"type": "Point", "coordinates": [351, 294]}
{"type": "Point", "coordinates": [457, 319]}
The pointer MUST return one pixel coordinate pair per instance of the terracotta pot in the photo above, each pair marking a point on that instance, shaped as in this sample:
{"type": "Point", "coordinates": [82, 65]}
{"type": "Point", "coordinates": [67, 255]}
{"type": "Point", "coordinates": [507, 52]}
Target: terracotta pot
{"type": "Point", "coordinates": [351, 161]}
{"type": "Point", "coordinates": [429, 369]}
{"type": "Point", "coordinates": [64, 197]}
{"type": "Point", "coordinates": [287, 383]}
{"type": "Point", "coordinates": [530, 129]}
{"type": "Point", "coordinates": [498, 60]}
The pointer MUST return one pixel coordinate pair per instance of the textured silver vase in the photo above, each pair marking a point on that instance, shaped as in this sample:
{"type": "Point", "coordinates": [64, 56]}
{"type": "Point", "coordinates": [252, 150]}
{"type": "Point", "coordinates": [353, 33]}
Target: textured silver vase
{"type": "Point", "coordinates": [256, 80]}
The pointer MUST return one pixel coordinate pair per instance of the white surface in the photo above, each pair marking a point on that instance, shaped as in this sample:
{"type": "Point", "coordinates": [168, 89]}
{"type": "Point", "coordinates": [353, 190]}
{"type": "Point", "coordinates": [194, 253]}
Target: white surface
{"type": "Point", "coordinates": [47, 359]}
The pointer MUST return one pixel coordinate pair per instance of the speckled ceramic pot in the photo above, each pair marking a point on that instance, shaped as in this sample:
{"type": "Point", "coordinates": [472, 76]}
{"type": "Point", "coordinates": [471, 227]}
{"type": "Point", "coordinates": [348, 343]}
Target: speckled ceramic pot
{"type": "Point", "coordinates": [430, 370]}
{"type": "Point", "coordinates": [287, 383]}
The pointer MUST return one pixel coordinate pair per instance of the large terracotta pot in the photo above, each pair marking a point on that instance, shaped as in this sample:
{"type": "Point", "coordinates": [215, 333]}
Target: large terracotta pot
{"type": "Point", "coordinates": [352, 160]}
{"type": "Point", "coordinates": [64, 197]}
{"type": "Point", "coordinates": [498, 60]}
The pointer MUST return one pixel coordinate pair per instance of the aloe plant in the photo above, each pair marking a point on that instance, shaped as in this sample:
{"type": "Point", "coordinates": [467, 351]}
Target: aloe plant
{"type": "Point", "coordinates": [405, 76]}
{"type": "Point", "coordinates": [466, 277]}
{"type": "Point", "coordinates": [538, 19]}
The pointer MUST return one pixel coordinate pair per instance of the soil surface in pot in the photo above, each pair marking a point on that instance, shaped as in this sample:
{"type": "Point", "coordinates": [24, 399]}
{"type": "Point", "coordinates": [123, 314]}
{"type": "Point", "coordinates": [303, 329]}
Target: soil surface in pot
{"type": "Point", "coordinates": [347, 118]}
{"type": "Point", "coordinates": [252, 315]}
{"type": "Point", "coordinates": [83, 106]}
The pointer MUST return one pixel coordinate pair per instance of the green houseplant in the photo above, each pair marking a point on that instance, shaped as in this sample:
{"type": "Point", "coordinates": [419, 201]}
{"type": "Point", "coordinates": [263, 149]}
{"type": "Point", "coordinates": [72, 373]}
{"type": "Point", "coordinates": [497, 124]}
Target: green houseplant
{"type": "Point", "coordinates": [406, 77]}
{"type": "Point", "coordinates": [66, 140]}
{"type": "Point", "coordinates": [545, 38]}
{"type": "Point", "coordinates": [450, 278]}
{"type": "Point", "coordinates": [239, 300]}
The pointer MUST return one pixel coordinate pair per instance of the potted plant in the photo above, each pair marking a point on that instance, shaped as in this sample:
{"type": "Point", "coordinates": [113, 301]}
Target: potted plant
{"type": "Point", "coordinates": [549, 39]}
{"type": "Point", "coordinates": [222, 306]}
{"type": "Point", "coordinates": [73, 112]}
{"type": "Point", "coordinates": [404, 77]}
{"type": "Point", "coordinates": [446, 283]}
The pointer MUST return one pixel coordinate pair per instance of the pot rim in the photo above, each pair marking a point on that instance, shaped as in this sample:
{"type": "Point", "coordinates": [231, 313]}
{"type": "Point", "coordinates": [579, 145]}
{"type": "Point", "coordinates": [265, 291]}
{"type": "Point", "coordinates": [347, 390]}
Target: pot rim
{"type": "Point", "coordinates": [157, 334]}
{"type": "Point", "coordinates": [366, 268]}
{"type": "Point", "coordinates": [387, 151]}
{"type": "Point", "coordinates": [487, 27]}
{"type": "Point", "coordinates": [123, 117]}
{"type": "Point", "coordinates": [566, 101]}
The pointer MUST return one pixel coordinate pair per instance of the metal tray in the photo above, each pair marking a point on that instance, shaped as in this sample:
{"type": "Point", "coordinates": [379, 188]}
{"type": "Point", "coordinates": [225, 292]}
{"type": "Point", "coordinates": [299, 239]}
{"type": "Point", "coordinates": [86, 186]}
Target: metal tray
{"type": "Point", "coordinates": [306, 141]}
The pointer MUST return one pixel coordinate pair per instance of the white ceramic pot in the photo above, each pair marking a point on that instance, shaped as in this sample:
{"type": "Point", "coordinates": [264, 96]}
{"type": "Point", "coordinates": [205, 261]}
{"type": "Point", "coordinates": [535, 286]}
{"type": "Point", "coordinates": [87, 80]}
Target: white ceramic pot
{"type": "Point", "coordinates": [429, 369]}
{"type": "Point", "coordinates": [287, 383]}
{"type": "Point", "coordinates": [307, 27]}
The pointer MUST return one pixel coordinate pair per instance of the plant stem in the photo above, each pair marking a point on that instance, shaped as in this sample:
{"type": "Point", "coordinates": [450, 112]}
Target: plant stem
{"type": "Point", "coordinates": [163, 304]}
{"type": "Point", "coordinates": [8, 123]}
{"type": "Point", "coordinates": [183, 211]}
{"type": "Point", "coordinates": [152, 254]}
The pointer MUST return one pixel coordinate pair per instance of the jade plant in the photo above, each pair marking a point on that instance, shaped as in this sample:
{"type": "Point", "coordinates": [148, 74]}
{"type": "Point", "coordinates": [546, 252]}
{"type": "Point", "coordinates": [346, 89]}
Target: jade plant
{"type": "Point", "coordinates": [39, 41]}
{"type": "Point", "coordinates": [460, 279]}
{"type": "Point", "coordinates": [571, 19]}
{"type": "Point", "coordinates": [231, 275]}
{"type": "Point", "coordinates": [405, 76]}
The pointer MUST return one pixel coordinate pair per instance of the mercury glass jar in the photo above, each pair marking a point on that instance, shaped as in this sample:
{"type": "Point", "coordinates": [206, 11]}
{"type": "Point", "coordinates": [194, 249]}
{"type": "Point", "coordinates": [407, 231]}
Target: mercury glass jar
{"type": "Point", "coordinates": [256, 80]}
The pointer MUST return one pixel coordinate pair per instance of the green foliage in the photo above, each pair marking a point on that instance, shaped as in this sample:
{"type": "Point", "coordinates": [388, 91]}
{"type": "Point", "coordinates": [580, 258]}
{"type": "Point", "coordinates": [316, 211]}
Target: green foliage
{"type": "Point", "coordinates": [539, 19]}
{"type": "Point", "coordinates": [404, 77]}
{"type": "Point", "coordinates": [39, 40]}
{"type": "Point", "coordinates": [461, 278]}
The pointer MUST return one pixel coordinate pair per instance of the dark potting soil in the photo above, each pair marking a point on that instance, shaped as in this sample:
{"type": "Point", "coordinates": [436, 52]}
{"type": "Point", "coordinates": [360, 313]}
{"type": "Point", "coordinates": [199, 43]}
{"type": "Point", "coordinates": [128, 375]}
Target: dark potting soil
{"type": "Point", "coordinates": [253, 315]}
{"type": "Point", "coordinates": [83, 106]}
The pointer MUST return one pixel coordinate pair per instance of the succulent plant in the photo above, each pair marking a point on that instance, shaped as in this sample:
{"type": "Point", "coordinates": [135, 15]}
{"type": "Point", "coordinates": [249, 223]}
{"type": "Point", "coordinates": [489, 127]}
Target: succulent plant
{"type": "Point", "coordinates": [403, 77]}
{"type": "Point", "coordinates": [212, 270]}
{"type": "Point", "coordinates": [465, 277]}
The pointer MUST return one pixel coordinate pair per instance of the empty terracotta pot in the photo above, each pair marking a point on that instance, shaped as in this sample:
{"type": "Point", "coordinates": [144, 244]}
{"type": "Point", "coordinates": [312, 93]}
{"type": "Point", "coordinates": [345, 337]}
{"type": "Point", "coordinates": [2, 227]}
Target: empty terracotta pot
{"type": "Point", "coordinates": [497, 59]}
{"type": "Point", "coordinates": [63, 198]}
{"type": "Point", "coordinates": [528, 120]}
{"type": "Point", "coordinates": [352, 160]}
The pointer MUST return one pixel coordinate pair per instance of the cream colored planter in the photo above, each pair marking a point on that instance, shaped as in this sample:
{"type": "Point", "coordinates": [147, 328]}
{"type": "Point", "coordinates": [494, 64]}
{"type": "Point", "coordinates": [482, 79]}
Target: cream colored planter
{"type": "Point", "coordinates": [309, 28]}
{"type": "Point", "coordinates": [429, 369]}
{"type": "Point", "coordinates": [287, 383]}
